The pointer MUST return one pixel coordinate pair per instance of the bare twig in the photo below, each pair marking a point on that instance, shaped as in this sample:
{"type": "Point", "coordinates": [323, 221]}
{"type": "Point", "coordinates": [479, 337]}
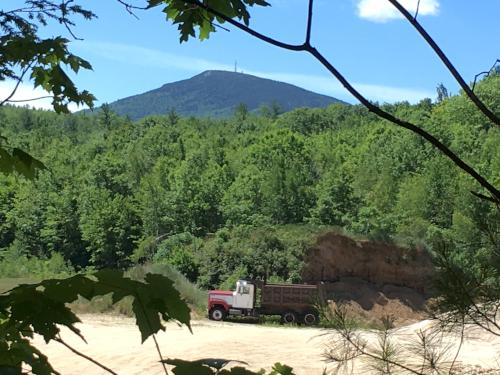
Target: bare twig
{"type": "Point", "coordinates": [160, 355]}
{"type": "Point", "coordinates": [478, 103]}
{"type": "Point", "coordinates": [462, 333]}
{"type": "Point", "coordinates": [29, 100]}
{"type": "Point", "coordinates": [130, 8]}
{"type": "Point", "coordinates": [213, 24]}
{"type": "Point", "coordinates": [61, 341]}
{"type": "Point", "coordinates": [141, 304]}
{"type": "Point", "coordinates": [70, 31]}
{"type": "Point", "coordinates": [19, 81]}
{"type": "Point", "coordinates": [416, 10]}
{"type": "Point", "coordinates": [154, 336]}
{"type": "Point", "coordinates": [485, 73]}
{"type": "Point", "coordinates": [50, 10]}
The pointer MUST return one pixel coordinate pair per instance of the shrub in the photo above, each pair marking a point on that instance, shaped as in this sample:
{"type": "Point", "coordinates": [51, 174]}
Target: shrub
{"type": "Point", "coordinates": [13, 264]}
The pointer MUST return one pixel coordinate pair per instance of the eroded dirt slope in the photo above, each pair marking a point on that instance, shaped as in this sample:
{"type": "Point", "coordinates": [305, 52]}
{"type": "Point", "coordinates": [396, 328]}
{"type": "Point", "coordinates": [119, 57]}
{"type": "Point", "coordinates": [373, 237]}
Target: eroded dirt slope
{"type": "Point", "coordinates": [374, 279]}
{"type": "Point", "coordinates": [335, 256]}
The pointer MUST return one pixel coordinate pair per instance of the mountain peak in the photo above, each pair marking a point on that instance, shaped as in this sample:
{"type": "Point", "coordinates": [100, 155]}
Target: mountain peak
{"type": "Point", "coordinates": [217, 93]}
{"type": "Point", "coordinates": [208, 73]}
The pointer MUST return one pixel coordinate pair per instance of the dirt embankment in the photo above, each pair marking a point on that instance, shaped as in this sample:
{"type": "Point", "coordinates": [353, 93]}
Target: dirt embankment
{"type": "Point", "coordinates": [376, 279]}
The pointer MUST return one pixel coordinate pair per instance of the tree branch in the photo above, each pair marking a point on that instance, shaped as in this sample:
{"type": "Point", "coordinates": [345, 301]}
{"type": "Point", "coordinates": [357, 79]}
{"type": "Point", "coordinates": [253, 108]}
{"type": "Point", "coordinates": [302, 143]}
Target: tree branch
{"type": "Point", "coordinates": [29, 100]}
{"type": "Point", "coordinates": [67, 25]}
{"type": "Point", "coordinates": [485, 73]}
{"type": "Point", "coordinates": [407, 125]}
{"type": "Point", "coordinates": [484, 197]}
{"type": "Point", "coordinates": [462, 334]}
{"type": "Point", "coordinates": [160, 355]}
{"type": "Point", "coordinates": [154, 336]}
{"type": "Point", "coordinates": [478, 103]}
{"type": "Point", "coordinates": [248, 30]}
{"type": "Point", "coordinates": [19, 81]}
{"type": "Point", "coordinates": [416, 10]}
{"type": "Point", "coordinates": [60, 340]}
{"type": "Point", "coordinates": [141, 304]}
{"type": "Point", "coordinates": [309, 23]}
{"type": "Point", "coordinates": [130, 8]}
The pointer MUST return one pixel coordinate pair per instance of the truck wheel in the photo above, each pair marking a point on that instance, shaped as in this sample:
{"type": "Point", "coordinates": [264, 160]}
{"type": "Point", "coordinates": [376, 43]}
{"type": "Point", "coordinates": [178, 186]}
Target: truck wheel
{"type": "Point", "coordinates": [310, 319]}
{"type": "Point", "coordinates": [288, 317]}
{"type": "Point", "coordinates": [217, 314]}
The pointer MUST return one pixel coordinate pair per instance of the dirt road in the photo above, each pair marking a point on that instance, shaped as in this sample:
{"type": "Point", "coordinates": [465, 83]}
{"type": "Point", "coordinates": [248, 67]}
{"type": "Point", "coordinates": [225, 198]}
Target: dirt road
{"type": "Point", "coordinates": [115, 342]}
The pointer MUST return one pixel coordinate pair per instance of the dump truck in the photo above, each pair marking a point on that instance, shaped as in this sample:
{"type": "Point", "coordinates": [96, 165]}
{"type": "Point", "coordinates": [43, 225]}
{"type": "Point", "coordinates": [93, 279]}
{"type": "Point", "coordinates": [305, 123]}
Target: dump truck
{"type": "Point", "coordinates": [295, 303]}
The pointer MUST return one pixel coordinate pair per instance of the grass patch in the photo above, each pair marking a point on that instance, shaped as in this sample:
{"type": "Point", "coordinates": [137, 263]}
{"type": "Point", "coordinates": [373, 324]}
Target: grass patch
{"type": "Point", "coordinates": [338, 316]}
{"type": "Point", "coordinates": [16, 265]}
{"type": "Point", "coordinates": [195, 297]}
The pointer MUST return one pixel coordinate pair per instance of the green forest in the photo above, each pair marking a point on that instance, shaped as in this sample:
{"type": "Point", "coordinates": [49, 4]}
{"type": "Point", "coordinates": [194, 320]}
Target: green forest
{"type": "Point", "coordinates": [242, 196]}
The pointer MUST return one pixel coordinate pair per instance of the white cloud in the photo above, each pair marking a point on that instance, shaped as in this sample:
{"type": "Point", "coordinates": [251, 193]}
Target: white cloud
{"type": "Point", "coordinates": [330, 86]}
{"type": "Point", "coordinates": [383, 10]}
{"type": "Point", "coordinates": [25, 92]}
{"type": "Point", "coordinates": [149, 57]}
{"type": "Point", "coordinates": [390, 94]}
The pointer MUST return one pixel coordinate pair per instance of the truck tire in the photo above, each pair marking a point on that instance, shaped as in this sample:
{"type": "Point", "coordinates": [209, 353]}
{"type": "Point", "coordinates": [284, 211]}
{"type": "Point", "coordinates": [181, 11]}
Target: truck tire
{"type": "Point", "coordinates": [288, 318]}
{"type": "Point", "coordinates": [217, 314]}
{"type": "Point", "coordinates": [310, 319]}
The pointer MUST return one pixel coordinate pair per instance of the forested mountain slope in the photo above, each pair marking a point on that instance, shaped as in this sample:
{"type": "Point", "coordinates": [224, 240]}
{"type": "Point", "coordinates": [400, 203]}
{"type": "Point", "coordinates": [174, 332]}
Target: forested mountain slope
{"type": "Point", "coordinates": [217, 93]}
{"type": "Point", "coordinates": [246, 195]}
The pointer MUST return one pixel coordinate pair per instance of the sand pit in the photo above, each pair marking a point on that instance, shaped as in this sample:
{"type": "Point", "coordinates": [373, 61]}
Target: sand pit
{"type": "Point", "coordinates": [115, 342]}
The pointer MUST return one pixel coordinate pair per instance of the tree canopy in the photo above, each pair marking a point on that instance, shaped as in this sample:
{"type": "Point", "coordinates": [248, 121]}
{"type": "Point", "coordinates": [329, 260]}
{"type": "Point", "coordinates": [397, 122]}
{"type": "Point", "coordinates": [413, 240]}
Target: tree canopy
{"type": "Point", "coordinates": [193, 18]}
{"type": "Point", "coordinates": [118, 192]}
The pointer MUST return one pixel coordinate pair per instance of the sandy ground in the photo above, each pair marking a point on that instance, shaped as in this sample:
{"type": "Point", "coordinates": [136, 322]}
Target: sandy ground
{"type": "Point", "coordinates": [115, 342]}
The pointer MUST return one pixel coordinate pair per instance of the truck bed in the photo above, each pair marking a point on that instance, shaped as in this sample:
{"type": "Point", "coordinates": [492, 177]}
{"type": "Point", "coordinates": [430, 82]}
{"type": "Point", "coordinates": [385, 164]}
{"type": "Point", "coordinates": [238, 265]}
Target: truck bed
{"type": "Point", "coordinates": [278, 298]}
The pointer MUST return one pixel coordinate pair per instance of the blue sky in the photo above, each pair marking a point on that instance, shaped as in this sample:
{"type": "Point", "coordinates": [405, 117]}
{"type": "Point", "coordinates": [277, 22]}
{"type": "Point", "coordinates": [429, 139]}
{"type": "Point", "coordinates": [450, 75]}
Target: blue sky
{"type": "Point", "coordinates": [365, 39]}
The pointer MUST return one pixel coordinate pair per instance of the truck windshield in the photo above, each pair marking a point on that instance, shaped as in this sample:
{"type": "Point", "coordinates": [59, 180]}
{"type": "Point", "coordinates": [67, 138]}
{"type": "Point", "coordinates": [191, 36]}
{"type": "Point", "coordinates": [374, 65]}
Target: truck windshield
{"type": "Point", "coordinates": [244, 290]}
